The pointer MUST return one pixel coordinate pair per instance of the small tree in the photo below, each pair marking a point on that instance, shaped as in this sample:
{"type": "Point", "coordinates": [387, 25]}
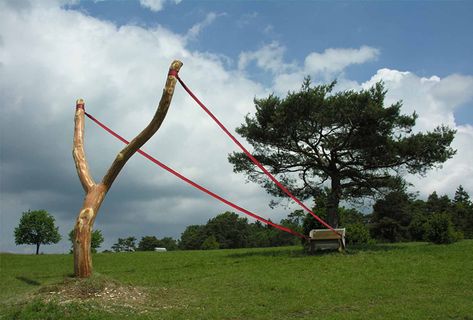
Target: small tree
{"type": "Point", "coordinates": [436, 204]}
{"type": "Point", "coordinates": [463, 212]}
{"type": "Point", "coordinates": [148, 243]}
{"type": "Point", "coordinates": [229, 230]}
{"type": "Point", "coordinates": [192, 238]}
{"type": "Point", "coordinates": [439, 229]}
{"type": "Point", "coordinates": [37, 227]}
{"type": "Point", "coordinates": [358, 233]}
{"type": "Point", "coordinates": [391, 217]}
{"type": "Point", "coordinates": [169, 243]}
{"type": "Point", "coordinates": [461, 197]}
{"type": "Point", "coordinates": [210, 243]}
{"type": "Point", "coordinates": [258, 235]}
{"type": "Point", "coordinates": [95, 243]}
{"type": "Point", "coordinates": [125, 245]}
{"type": "Point", "coordinates": [417, 226]}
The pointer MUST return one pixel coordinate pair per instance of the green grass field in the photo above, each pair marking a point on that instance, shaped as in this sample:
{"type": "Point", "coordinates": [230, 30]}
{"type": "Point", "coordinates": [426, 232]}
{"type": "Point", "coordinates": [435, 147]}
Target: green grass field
{"type": "Point", "coordinates": [400, 281]}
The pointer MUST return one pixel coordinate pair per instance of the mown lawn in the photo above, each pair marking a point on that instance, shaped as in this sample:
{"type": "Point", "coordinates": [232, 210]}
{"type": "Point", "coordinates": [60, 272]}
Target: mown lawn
{"type": "Point", "coordinates": [400, 281]}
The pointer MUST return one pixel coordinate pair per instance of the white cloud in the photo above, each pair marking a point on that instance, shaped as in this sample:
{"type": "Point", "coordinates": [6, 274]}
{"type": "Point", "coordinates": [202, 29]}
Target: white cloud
{"type": "Point", "coordinates": [288, 82]}
{"type": "Point", "coordinates": [156, 5]}
{"type": "Point", "coordinates": [246, 19]}
{"type": "Point", "coordinates": [332, 60]}
{"type": "Point", "coordinates": [269, 58]}
{"type": "Point", "coordinates": [455, 171]}
{"type": "Point", "coordinates": [435, 99]}
{"type": "Point", "coordinates": [325, 66]}
{"type": "Point", "coordinates": [153, 5]}
{"type": "Point", "coordinates": [197, 28]}
{"type": "Point", "coordinates": [454, 90]}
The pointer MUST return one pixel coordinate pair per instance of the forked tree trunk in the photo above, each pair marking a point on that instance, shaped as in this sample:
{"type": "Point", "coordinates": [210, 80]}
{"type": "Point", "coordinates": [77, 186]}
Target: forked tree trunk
{"type": "Point", "coordinates": [83, 230]}
{"type": "Point", "coordinates": [95, 193]}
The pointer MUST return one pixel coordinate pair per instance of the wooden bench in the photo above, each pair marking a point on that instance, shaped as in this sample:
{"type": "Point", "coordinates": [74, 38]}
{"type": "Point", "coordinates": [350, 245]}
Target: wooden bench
{"type": "Point", "coordinates": [326, 239]}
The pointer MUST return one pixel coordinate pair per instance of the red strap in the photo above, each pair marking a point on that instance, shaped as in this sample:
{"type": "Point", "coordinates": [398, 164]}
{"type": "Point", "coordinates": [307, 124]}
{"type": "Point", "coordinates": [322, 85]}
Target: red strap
{"type": "Point", "coordinates": [255, 161]}
{"type": "Point", "coordinates": [80, 104]}
{"type": "Point", "coordinates": [195, 185]}
{"type": "Point", "coordinates": [172, 72]}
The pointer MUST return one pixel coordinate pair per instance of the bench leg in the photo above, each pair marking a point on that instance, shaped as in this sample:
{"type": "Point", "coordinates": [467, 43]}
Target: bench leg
{"type": "Point", "coordinates": [312, 247]}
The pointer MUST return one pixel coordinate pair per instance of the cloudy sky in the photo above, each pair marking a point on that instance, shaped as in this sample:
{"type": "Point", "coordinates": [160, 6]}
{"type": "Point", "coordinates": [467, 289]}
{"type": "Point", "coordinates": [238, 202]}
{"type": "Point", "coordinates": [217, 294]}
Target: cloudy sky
{"type": "Point", "coordinates": [115, 55]}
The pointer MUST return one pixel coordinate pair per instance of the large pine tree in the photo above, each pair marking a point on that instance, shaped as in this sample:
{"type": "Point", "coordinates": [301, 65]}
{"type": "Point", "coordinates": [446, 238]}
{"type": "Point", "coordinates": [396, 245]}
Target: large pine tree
{"type": "Point", "coordinates": [349, 138]}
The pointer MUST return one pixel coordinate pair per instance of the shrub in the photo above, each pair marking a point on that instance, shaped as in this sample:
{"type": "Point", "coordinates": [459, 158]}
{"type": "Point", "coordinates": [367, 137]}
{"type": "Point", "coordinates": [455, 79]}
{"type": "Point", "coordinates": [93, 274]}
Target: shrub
{"type": "Point", "coordinates": [357, 233]}
{"type": "Point", "coordinates": [439, 229]}
{"type": "Point", "coordinates": [417, 227]}
{"type": "Point", "coordinates": [210, 243]}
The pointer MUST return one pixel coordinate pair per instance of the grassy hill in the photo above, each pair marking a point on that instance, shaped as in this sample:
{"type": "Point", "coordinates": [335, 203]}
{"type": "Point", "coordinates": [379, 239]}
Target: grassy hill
{"type": "Point", "coordinates": [399, 281]}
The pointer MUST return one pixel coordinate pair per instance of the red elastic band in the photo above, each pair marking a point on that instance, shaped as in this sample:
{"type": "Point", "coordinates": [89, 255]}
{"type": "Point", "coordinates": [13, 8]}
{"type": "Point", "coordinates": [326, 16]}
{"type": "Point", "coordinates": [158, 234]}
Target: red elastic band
{"type": "Point", "coordinates": [197, 186]}
{"type": "Point", "coordinates": [172, 72]}
{"type": "Point", "coordinates": [253, 159]}
{"type": "Point", "coordinates": [80, 106]}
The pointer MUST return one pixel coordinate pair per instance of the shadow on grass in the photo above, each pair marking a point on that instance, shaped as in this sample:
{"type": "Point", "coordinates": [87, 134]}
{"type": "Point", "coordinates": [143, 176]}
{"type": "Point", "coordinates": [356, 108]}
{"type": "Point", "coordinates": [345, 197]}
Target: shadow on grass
{"type": "Point", "coordinates": [301, 253]}
{"type": "Point", "coordinates": [373, 248]}
{"type": "Point", "coordinates": [292, 253]}
{"type": "Point", "coordinates": [31, 282]}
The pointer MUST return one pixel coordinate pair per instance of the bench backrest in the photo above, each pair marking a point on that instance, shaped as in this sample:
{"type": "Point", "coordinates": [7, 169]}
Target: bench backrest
{"type": "Point", "coordinates": [326, 234]}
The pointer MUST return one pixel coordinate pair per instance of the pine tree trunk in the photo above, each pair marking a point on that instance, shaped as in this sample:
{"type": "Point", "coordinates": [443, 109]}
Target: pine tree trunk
{"type": "Point", "coordinates": [332, 214]}
{"type": "Point", "coordinates": [333, 201]}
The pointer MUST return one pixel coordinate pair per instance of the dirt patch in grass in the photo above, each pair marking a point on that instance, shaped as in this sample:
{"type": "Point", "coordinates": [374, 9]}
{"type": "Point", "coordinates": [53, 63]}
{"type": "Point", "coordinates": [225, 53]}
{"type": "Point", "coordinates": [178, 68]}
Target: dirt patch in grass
{"type": "Point", "coordinates": [109, 295]}
{"type": "Point", "coordinates": [91, 289]}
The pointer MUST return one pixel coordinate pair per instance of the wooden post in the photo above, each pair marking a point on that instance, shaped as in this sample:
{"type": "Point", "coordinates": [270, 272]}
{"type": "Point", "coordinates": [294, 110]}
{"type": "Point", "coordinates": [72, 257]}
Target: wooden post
{"type": "Point", "coordinates": [95, 192]}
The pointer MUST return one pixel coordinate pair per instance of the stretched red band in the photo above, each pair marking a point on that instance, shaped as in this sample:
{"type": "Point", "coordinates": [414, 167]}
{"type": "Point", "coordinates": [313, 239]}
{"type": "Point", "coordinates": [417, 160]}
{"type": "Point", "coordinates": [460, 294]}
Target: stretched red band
{"type": "Point", "coordinates": [253, 159]}
{"type": "Point", "coordinates": [80, 106]}
{"type": "Point", "coordinates": [195, 185]}
{"type": "Point", "coordinates": [172, 72]}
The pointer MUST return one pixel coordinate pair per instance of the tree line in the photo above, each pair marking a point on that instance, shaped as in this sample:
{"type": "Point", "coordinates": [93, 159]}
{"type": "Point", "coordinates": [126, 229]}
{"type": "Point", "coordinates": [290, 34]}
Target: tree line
{"type": "Point", "coordinates": [399, 216]}
{"type": "Point", "coordinates": [228, 231]}
{"type": "Point", "coordinates": [147, 243]}
{"type": "Point", "coordinates": [402, 217]}
{"type": "Point", "coordinates": [225, 231]}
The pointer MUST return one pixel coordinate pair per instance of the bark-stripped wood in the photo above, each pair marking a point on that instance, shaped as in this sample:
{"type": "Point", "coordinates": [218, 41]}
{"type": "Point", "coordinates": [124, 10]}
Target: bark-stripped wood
{"type": "Point", "coordinates": [78, 152]}
{"type": "Point", "coordinates": [95, 193]}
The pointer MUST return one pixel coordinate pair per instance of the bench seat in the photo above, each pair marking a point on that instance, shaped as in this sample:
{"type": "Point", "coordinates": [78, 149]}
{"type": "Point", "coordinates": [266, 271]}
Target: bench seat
{"type": "Point", "coordinates": [326, 239]}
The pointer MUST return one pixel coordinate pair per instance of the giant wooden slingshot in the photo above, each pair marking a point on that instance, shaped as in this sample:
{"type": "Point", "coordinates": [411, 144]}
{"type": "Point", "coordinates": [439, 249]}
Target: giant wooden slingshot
{"type": "Point", "coordinates": [95, 192]}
